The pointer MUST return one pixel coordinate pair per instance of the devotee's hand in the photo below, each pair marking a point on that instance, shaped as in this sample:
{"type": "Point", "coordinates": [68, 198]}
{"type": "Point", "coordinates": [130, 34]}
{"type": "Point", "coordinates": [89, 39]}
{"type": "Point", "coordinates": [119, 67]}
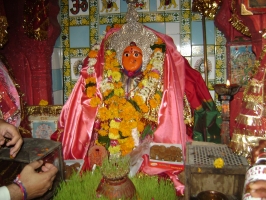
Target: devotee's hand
{"type": "Point", "coordinates": [258, 189]}
{"type": "Point", "coordinates": [9, 131]}
{"type": "Point", "coordinates": [36, 184]}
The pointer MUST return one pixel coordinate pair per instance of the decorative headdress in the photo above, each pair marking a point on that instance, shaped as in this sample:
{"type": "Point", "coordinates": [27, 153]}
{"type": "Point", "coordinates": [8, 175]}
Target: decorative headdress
{"type": "Point", "coordinates": [132, 31]}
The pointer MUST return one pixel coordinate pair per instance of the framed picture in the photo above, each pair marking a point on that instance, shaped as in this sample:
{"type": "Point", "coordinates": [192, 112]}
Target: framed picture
{"type": "Point", "coordinates": [255, 6]}
{"type": "Point", "coordinates": [242, 60]}
{"type": "Point", "coordinates": [76, 65]}
{"type": "Point", "coordinates": [167, 5]}
{"type": "Point", "coordinates": [43, 120]}
{"type": "Point", "coordinates": [143, 6]}
{"type": "Point", "coordinates": [108, 6]}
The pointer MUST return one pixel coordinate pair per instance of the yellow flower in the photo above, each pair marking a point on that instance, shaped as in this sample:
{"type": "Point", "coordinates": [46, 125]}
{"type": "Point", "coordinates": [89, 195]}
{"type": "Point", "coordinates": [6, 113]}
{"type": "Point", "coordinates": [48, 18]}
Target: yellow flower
{"type": "Point", "coordinates": [138, 100]}
{"type": "Point", "coordinates": [218, 163]}
{"type": "Point", "coordinates": [90, 80]}
{"type": "Point", "coordinates": [154, 75]}
{"type": "Point", "coordinates": [157, 97]}
{"type": "Point", "coordinates": [119, 92]}
{"type": "Point", "coordinates": [103, 132]}
{"type": "Point", "coordinates": [140, 126]}
{"type": "Point", "coordinates": [158, 49]}
{"type": "Point", "coordinates": [113, 134]}
{"type": "Point", "coordinates": [126, 145]}
{"type": "Point", "coordinates": [114, 124]}
{"type": "Point", "coordinates": [109, 52]}
{"type": "Point", "coordinates": [153, 103]}
{"type": "Point", "coordinates": [43, 103]}
{"type": "Point", "coordinates": [114, 149]}
{"type": "Point", "coordinates": [93, 54]}
{"type": "Point", "coordinates": [116, 76]}
{"type": "Point", "coordinates": [95, 102]}
{"type": "Point", "coordinates": [91, 91]}
{"type": "Point", "coordinates": [103, 113]}
{"type": "Point", "coordinates": [159, 41]}
{"type": "Point", "coordinates": [144, 82]}
{"type": "Point", "coordinates": [125, 129]}
{"type": "Point", "coordinates": [144, 108]}
{"type": "Point", "coordinates": [105, 126]}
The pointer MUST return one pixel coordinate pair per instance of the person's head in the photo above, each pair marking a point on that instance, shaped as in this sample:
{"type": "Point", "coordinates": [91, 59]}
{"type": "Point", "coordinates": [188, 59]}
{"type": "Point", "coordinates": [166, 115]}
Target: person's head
{"type": "Point", "coordinates": [132, 57]}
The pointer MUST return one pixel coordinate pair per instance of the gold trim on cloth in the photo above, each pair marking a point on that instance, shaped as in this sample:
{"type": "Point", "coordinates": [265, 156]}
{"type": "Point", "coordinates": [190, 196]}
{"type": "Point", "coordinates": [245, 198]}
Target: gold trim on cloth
{"type": "Point", "coordinates": [36, 19]}
{"type": "Point", "coordinates": [243, 144]}
{"type": "Point", "coordinates": [236, 22]}
{"type": "Point", "coordinates": [188, 118]}
{"type": "Point", "coordinates": [44, 110]}
{"type": "Point", "coordinates": [245, 11]}
{"type": "Point", "coordinates": [251, 125]}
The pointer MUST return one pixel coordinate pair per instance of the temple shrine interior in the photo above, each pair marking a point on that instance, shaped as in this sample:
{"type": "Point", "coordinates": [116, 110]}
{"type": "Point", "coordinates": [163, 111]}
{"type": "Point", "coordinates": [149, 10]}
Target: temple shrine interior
{"type": "Point", "coordinates": [176, 87]}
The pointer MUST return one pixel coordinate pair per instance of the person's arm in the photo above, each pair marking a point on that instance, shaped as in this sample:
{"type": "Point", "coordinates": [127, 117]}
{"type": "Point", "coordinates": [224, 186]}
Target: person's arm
{"type": "Point", "coordinates": [14, 192]}
{"type": "Point", "coordinates": [9, 131]}
{"type": "Point", "coordinates": [35, 184]}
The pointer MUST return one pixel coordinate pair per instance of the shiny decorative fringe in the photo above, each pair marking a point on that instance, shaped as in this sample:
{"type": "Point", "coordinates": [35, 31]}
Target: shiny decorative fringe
{"type": "Point", "coordinates": [243, 145]}
{"type": "Point", "coordinates": [50, 110]}
{"type": "Point", "coordinates": [36, 20]}
{"type": "Point", "coordinates": [236, 22]}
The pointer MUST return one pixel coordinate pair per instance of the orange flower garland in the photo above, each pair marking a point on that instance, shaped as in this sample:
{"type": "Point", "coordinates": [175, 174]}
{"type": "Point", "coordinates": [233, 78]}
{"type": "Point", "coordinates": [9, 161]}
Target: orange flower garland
{"type": "Point", "coordinates": [118, 130]}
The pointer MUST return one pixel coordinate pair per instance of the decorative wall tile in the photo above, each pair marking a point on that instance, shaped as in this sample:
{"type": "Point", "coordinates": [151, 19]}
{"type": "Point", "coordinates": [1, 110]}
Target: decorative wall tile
{"type": "Point", "coordinates": [79, 36]}
{"type": "Point", "coordinates": [197, 50]}
{"type": "Point", "coordinates": [172, 28]}
{"type": "Point", "coordinates": [176, 39]}
{"type": "Point", "coordinates": [185, 5]}
{"type": "Point", "coordinates": [167, 5]}
{"type": "Point", "coordinates": [172, 17]}
{"type": "Point", "coordinates": [78, 8]}
{"type": "Point", "coordinates": [220, 39]}
{"type": "Point", "coordinates": [65, 36]}
{"type": "Point", "coordinates": [76, 65]}
{"type": "Point", "coordinates": [107, 7]}
{"type": "Point", "coordinates": [143, 6]}
{"type": "Point", "coordinates": [77, 21]}
{"type": "Point", "coordinates": [198, 64]}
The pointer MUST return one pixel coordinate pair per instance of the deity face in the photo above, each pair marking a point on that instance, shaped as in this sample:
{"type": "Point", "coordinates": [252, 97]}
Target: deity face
{"type": "Point", "coordinates": [132, 58]}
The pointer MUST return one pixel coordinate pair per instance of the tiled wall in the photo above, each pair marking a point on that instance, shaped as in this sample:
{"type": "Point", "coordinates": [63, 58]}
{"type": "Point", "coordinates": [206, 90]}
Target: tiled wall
{"type": "Point", "coordinates": [82, 30]}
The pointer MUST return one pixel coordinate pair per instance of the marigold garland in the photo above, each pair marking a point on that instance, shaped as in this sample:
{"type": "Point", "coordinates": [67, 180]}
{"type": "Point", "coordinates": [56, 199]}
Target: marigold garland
{"type": "Point", "coordinates": [118, 130]}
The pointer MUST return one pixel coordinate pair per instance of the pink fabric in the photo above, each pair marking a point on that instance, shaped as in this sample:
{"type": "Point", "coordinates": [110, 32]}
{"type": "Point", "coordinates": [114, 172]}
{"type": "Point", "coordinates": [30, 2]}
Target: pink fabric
{"type": "Point", "coordinates": [77, 116]}
{"type": "Point", "coordinates": [171, 127]}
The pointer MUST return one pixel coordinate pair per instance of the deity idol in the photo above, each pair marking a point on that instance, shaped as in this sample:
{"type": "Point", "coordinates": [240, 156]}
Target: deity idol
{"type": "Point", "coordinates": [134, 85]}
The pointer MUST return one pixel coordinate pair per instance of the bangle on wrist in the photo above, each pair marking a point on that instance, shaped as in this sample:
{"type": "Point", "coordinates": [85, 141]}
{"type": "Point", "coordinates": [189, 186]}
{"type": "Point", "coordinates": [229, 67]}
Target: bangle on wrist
{"type": "Point", "coordinates": [18, 182]}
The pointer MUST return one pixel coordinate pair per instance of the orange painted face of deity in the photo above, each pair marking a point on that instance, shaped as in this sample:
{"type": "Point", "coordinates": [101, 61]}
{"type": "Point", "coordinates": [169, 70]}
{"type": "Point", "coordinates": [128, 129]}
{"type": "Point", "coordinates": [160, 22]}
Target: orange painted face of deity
{"type": "Point", "coordinates": [132, 57]}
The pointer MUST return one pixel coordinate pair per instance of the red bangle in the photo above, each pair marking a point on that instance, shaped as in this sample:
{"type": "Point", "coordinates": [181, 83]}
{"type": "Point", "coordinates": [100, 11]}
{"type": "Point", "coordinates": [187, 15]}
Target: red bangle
{"type": "Point", "coordinates": [18, 182]}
